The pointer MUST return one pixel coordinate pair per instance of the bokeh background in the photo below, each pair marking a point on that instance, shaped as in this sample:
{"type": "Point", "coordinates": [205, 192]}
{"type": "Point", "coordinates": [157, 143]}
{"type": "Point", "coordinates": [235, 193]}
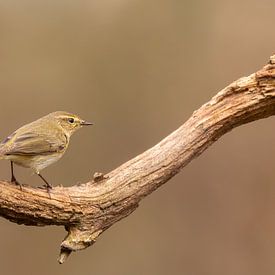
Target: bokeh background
{"type": "Point", "coordinates": [138, 69]}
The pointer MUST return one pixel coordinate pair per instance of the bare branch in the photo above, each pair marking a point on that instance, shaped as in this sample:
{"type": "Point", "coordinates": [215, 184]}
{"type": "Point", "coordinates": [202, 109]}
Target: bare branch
{"type": "Point", "coordinates": [89, 209]}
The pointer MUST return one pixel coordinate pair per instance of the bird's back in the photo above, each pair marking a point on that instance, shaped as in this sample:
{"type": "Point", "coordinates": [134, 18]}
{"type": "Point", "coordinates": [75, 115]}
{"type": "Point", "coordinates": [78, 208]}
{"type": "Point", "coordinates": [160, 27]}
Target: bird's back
{"type": "Point", "coordinates": [39, 137]}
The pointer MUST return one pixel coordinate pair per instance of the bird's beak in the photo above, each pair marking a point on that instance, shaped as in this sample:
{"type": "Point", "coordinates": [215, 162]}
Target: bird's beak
{"type": "Point", "coordinates": [86, 123]}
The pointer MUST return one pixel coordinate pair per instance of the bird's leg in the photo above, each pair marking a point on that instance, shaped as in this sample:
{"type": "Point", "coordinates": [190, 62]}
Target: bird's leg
{"type": "Point", "coordinates": [13, 179]}
{"type": "Point", "coordinates": [48, 186]}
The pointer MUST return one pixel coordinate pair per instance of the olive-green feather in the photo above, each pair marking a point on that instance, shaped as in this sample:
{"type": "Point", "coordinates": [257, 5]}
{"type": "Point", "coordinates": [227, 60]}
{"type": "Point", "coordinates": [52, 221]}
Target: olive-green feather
{"type": "Point", "coordinates": [35, 142]}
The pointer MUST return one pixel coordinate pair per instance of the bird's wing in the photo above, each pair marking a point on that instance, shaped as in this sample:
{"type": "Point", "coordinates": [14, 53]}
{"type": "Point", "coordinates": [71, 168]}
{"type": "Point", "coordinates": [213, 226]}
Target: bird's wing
{"type": "Point", "coordinates": [30, 144]}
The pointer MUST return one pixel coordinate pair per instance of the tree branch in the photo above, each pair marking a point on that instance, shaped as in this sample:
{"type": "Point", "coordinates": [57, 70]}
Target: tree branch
{"type": "Point", "coordinates": [87, 210]}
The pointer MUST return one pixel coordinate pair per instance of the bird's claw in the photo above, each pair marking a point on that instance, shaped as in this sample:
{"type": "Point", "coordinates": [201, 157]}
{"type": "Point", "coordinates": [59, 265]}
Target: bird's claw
{"type": "Point", "coordinates": [14, 181]}
{"type": "Point", "coordinates": [47, 186]}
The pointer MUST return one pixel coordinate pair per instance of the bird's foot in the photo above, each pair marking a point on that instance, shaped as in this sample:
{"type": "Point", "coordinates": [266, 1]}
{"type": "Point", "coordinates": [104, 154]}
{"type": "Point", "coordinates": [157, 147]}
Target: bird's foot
{"type": "Point", "coordinates": [14, 181]}
{"type": "Point", "coordinates": [48, 188]}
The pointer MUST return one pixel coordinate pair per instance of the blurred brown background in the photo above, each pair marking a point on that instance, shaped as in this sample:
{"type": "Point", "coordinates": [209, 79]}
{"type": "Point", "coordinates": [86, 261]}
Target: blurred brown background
{"type": "Point", "coordinates": [138, 69]}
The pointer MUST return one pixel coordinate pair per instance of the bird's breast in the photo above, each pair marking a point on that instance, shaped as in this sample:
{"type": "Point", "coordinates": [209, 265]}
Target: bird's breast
{"type": "Point", "coordinates": [37, 163]}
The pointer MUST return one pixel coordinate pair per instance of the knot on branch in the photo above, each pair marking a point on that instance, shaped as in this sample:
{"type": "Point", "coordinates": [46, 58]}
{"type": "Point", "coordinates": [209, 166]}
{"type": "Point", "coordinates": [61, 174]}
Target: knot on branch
{"type": "Point", "coordinates": [272, 59]}
{"type": "Point", "coordinates": [98, 176]}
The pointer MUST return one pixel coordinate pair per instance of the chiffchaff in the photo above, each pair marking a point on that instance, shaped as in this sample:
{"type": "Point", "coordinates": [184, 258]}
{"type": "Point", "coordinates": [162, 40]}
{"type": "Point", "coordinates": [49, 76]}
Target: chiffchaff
{"type": "Point", "coordinates": [40, 143]}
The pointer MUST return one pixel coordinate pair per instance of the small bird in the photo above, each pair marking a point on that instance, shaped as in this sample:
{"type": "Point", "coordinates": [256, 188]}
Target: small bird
{"type": "Point", "coordinates": [40, 143]}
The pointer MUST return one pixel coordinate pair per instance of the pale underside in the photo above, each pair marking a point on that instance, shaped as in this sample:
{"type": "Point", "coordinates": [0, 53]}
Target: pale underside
{"type": "Point", "coordinates": [36, 163]}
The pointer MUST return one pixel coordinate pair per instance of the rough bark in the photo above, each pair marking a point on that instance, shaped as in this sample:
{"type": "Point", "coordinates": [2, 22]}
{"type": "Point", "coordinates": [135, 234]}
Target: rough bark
{"type": "Point", "coordinates": [87, 210]}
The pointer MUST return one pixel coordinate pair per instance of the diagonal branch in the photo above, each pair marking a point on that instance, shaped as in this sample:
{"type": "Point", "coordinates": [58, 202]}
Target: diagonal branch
{"type": "Point", "coordinates": [87, 210]}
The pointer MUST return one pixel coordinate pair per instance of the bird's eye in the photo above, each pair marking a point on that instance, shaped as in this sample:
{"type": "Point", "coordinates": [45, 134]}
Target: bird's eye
{"type": "Point", "coordinates": [71, 120]}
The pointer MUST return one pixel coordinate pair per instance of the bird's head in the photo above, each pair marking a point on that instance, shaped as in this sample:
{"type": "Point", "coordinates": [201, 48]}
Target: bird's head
{"type": "Point", "coordinates": [69, 122]}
